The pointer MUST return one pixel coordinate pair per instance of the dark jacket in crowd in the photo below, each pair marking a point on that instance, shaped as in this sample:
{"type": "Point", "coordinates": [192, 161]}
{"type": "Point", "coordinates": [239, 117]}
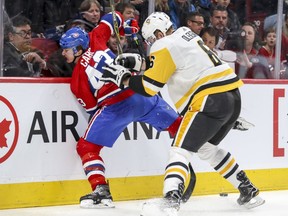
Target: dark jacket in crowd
{"type": "Point", "coordinates": [14, 65]}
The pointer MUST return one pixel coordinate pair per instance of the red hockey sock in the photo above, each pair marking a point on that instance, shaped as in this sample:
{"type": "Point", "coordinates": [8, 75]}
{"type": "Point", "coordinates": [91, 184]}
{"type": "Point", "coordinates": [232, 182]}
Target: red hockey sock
{"type": "Point", "coordinates": [93, 164]}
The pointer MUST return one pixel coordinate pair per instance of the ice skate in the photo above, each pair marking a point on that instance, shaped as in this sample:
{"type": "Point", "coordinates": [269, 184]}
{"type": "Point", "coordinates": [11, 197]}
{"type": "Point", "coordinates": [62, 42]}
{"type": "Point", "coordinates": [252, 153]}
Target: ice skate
{"type": "Point", "coordinates": [167, 206]}
{"type": "Point", "coordinates": [99, 198]}
{"type": "Point", "coordinates": [172, 200]}
{"type": "Point", "coordinates": [248, 193]}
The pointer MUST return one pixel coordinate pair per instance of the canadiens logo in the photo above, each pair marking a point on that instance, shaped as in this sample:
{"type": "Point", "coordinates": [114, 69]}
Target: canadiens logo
{"type": "Point", "coordinates": [75, 35]}
{"type": "Point", "coordinates": [9, 129]}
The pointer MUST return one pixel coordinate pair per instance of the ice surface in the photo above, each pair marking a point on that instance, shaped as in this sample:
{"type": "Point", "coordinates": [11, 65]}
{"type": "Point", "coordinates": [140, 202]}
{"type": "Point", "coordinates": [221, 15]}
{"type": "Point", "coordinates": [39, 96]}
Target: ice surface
{"type": "Point", "coordinates": [212, 205]}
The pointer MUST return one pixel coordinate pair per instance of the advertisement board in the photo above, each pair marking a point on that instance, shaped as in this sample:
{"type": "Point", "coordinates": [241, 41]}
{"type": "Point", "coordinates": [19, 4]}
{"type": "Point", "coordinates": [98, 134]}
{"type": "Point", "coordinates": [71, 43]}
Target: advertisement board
{"type": "Point", "coordinates": [41, 121]}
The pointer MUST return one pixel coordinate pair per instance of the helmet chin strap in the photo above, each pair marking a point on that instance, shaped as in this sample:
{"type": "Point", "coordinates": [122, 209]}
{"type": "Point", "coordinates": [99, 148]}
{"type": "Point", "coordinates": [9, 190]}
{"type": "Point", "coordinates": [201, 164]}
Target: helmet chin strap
{"type": "Point", "coordinates": [75, 57]}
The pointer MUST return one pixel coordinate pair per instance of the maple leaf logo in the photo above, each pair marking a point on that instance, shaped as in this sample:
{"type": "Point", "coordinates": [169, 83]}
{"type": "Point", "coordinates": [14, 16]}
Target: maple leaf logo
{"type": "Point", "coordinates": [4, 128]}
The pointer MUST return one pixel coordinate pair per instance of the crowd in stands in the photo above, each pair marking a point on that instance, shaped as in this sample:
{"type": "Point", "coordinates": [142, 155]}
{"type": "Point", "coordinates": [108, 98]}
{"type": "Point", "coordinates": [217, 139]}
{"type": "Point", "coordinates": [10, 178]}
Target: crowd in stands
{"type": "Point", "coordinates": [32, 30]}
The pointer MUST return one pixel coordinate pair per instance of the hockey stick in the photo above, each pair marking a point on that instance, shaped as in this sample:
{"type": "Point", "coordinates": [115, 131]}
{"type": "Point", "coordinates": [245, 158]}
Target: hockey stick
{"type": "Point", "coordinates": [115, 26]}
{"type": "Point", "coordinates": [190, 188]}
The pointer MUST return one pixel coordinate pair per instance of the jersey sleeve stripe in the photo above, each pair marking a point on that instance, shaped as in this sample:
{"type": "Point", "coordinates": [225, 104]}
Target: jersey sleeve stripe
{"type": "Point", "coordinates": [152, 87]}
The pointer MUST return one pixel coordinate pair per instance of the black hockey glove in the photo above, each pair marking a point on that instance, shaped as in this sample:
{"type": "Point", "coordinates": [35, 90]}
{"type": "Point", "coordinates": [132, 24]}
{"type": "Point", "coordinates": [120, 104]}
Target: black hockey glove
{"type": "Point", "coordinates": [242, 124]}
{"type": "Point", "coordinates": [131, 61]}
{"type": "Point", "coordinates": [116, 74]}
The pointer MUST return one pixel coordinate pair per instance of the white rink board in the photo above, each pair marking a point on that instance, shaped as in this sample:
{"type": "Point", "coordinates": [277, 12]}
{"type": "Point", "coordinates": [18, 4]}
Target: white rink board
{"type": "Point", "coordinates": [138, 156]}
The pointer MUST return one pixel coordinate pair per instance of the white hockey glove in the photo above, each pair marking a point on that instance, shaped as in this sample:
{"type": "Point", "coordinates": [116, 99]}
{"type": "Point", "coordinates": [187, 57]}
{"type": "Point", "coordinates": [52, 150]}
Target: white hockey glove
{"type": "Point", "coordinates": [132, 61]}
{"type": "Point", "coordinates": [242, 125]}
{"type": "Point", "coordinates": [116, 74]}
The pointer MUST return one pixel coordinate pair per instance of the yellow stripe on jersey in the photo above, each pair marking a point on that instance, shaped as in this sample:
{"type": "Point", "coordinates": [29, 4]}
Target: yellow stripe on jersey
{"type": "Point", "coordinates": [162, 67]}
{"type": "Point", "coordinates": [217, 89]}
{"type": "Point", "coordinates": [186, 122]}
{"type": "Point", "coordinates": [213, 78]}
{"type": "Point", "coordinates": [150, 91]}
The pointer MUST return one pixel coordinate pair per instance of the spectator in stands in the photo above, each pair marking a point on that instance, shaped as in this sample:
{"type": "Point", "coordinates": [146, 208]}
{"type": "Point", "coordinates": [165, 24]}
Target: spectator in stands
{"type": "Point", "coordinates": [210, 38]}
{"type": "Point", "coordinates": [203, 7]}
{"type": "Point", "coordinates": [284, 41]}
{"type": "Point", "coordinates": [135, 43]}
{"type": "Point", "coordinates": [112, 44]}
{"type": "Point", "coordinates": [268, 49]}
{"type": "Point", "coordinates": [126, 9]}
{"type": "Point", "coordinates": [56, 14]}
{"type": "Point", "coordinates": [219, 21]}
{"type": "Point", "coordinates": [285, 24]}
{"type": "Point", "coordinates": [91, 11]}
{"type": "Point", "coordinates": [31, 9]}
{"type": "Point", "coordinates": [104, 6]}
{"type": "Point", "coordinates": [251, 45]}
{"type": "Point", "coordinates": [240, 6]}
{"type": "Point", "coordinates": [84, 24]}
{"type": "Point", "coordinates": [43, 12]}
{"type": "Point", "coordinates": [141, 12]}
{"type": "Point", "coordinates": [87, 18]}
{"type": "Point", "coordinates": [249, 64]}
{"type": "Point", "coordinates": [162, 6]}
{"type": "Point", "coordinates": [19, 58]}
{"type": "Point", "coordinates": [233, 20]}
{"type": "Point", "coordinates": [271, 22]}
{"type": "Point", "coordinates": [141, 7]}
{"type": "Point", "coordinates": [195, 21]}
{"type": "Point", "coordinates": [179, 10]}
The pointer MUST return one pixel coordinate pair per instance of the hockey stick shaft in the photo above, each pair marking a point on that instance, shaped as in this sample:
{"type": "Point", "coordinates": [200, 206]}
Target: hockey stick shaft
{"type": "Point", "coordinates": [116, 27]}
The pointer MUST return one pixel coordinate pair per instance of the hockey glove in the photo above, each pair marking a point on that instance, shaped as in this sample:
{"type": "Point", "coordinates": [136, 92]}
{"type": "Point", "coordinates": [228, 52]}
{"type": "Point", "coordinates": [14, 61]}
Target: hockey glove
{"type": "Point", "coordinates": [242, 124]}
{"type": "Point", "coordinates": [131, 27]}
{"type": "Point", "coordinates": [132, 61]}
{"type": "Point", "coordinates": [116, 74]}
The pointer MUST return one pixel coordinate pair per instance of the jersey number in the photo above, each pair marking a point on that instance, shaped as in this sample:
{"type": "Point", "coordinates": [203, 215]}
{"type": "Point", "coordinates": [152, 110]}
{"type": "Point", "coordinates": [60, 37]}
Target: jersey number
{"type": "Point", "coordinates": [94, 72]}
{"type": "Point", "coordinates": [213, 57]}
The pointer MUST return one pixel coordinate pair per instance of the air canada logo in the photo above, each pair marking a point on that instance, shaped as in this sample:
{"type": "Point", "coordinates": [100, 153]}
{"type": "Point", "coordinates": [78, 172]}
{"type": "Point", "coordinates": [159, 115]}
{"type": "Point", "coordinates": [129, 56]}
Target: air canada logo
{"type": "Point", "coordinates": [9, 129]}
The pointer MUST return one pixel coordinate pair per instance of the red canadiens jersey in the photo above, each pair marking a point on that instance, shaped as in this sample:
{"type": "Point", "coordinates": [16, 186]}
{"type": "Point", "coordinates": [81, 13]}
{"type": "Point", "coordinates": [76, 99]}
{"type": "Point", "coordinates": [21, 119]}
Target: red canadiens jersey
{"type": "Point", "coordinates": [85, 84]}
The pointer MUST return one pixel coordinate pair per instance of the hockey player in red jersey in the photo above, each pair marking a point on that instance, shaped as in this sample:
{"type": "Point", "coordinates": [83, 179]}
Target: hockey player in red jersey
{"type": "Point", "coordinates": [111, 108]}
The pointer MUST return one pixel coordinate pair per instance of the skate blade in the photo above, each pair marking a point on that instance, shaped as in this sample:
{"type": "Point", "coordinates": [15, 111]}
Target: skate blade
{"type": "Point", "coordinates": [254, 202]}
{"type": "Point", "coordinates": [157, 207]}
{"type": "Point", "coordinates": [105, 203]}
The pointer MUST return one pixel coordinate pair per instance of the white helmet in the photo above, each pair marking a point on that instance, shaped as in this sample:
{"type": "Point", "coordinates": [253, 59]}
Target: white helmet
{"type": "Point", "coordinates": [155, 21]}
